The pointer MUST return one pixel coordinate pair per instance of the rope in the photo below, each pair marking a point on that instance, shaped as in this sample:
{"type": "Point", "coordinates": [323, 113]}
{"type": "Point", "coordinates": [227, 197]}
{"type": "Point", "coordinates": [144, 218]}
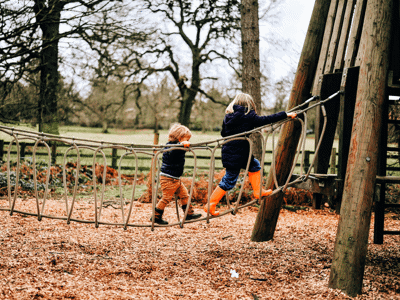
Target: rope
{"type": "Point", "coordinates": [98, 147]}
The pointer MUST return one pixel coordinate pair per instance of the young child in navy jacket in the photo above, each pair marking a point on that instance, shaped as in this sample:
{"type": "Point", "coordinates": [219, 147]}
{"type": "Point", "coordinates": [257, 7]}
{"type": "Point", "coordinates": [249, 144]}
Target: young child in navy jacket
{"type": "Point", "coordinates": [173, 162]}
{"type": "Point", "coordinates": [240, 117]}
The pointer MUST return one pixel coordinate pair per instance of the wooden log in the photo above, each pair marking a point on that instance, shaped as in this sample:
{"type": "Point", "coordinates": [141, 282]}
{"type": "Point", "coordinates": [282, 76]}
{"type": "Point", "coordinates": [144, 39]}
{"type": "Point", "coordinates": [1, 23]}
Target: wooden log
{"type": "Point", "coordinates": [267, 217]}
{"type": "Point", "coordinates": [325, 44]}
{"type": "Point", "coordinates": [334, 42]}
{"type": "Point", "coordinates": [345, 124]}
{"type": "Point", "coordinates": [344, 35]}
{"type": "Point", "coordinates": [352, 236]}
{"type": "Point", "coordinates": [329, 85]}
{"type": "Point", "coordinates": [333, 162]}
{"type": "Point", "coordinates": [394, 57]}
{"type": "Point", "coordinates": [355, 34]}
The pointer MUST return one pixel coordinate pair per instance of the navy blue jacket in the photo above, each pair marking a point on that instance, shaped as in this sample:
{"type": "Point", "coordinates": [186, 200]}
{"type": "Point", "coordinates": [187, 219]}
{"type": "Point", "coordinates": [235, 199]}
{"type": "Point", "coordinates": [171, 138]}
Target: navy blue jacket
{"type": "Point", "coordinates": [173, 161]}
{"type": "Point", "coordinates": [236, 153]}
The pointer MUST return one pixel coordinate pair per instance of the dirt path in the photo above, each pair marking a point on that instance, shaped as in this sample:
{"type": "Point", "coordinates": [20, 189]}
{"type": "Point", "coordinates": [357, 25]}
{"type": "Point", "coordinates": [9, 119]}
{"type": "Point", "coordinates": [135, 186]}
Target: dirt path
{"type": "Point", "coordinates": [53, 260]}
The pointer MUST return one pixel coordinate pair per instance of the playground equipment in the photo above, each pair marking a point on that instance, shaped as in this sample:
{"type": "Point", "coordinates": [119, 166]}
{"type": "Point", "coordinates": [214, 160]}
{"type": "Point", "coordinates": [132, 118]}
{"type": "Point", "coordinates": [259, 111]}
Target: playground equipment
{"type": "Point", "coordinates": [351, 46]}
{"type": "Point", "coordinates": [98, 149]}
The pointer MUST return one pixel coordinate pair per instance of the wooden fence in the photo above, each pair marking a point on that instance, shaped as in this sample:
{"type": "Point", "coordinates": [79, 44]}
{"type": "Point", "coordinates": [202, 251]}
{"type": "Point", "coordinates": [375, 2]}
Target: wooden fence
{"type": "Point", "coordinates": [114, 155]}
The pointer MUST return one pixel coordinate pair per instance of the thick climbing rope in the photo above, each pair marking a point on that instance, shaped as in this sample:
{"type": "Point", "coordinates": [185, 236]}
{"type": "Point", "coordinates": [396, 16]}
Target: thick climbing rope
{"type": "Point", "coordinates": [154, 151]}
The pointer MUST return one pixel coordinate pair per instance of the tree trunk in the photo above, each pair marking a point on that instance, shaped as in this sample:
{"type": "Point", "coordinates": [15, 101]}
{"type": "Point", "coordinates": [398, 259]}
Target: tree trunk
{"type": "Point", "coordinates": [251, 60]}
{"type": "Point", "coordinates": [186, 107]}
{"type": "Point", "coordinates": [104, 126]}
{"type": "Point", "coordinates": [352, 237]}
{"type": "Point", "coordinates": [189, 94]}
{"type": "Point", "coordinates": [268, 214]}
{"type": "Point", "coordinates": [47, 106]}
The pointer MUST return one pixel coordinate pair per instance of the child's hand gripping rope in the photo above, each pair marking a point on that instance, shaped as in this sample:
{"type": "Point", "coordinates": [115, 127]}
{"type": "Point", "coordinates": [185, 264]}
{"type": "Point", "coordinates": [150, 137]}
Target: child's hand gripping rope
{"type": "Point", "coordinates": [241, 116]}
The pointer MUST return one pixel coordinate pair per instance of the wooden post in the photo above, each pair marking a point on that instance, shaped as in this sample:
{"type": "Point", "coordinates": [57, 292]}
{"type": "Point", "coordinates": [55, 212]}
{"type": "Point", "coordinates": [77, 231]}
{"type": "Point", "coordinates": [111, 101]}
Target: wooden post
{"type": "Point", "coordinates": [53, 153]}
{"type": "Point", "coordinates": [379, 212]}
{"type": "Point", "coordinates": [355, 216]}
{"type": "Point", "coordinates": [268, 214]}
{"type": "Point", "coordinates": [346, 115]}
{"type": "Point", "coordinates": [22, 151]}
{"type": "Point", "coordinates": [333, 161]}
{"type": "Point", "coordinates": [306, 163]}
{"type": "Point", "coordinates": [328, 85]}
{"type": "Point", "coordinates": [1, 149]}
{"type": "Point", "coordinates": [328, 27]}
{"type": "Point", "coordinates": [156, 138]}
{"type": "Point", "coordinates": [114, 158]}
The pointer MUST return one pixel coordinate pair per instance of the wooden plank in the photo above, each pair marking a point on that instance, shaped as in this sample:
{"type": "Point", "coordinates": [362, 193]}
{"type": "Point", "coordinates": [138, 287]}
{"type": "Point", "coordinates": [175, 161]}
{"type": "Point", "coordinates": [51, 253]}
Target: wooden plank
{"type": "Point", "coordinates": [344, 35]}
{"type": "Point", "coordinates": [355, 34]}
{"type": "Point", "coordinates": [346, 114]}
{"type": "Point", "coordinates": [334, 42]}
{"type": "Point", "coordinates": [267, 218]}
{"type": "Point", "coordinates": [395, 45]}
{"type": "Point", "coordinates": [351, 243]}
{"type": "Point", "coordinates": [329, 85]}
{"type": "Point", "coordinates": [388, 179]}
{"type": "Point", "coordinates": [325, 185]}
{"type": "Point", "coordinates": [379, 221]}
{"type": "Point", "coordinates": [325, 45]}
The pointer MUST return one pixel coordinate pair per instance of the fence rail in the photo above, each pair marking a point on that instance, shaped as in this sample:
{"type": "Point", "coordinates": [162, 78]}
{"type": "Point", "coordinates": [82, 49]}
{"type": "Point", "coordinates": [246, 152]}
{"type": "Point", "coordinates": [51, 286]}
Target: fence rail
{"type": "Point", "coordinates": [114, 156]}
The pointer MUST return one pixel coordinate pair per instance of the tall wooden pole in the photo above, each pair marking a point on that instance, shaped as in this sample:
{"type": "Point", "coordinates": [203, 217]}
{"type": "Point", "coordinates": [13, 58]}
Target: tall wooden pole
{"type": "Point", "coordinates": [267, 217]}
{"type": "Point", "coordinates": [352, 237]}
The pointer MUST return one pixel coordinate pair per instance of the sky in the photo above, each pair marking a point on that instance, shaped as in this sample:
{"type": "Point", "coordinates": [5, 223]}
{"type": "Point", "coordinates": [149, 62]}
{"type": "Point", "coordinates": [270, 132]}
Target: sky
{"type": "Point", "coordinates": [295, 16]}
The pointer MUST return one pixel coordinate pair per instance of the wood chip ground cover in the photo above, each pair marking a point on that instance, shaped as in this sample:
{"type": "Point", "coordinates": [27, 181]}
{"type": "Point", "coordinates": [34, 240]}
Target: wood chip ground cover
{"type": "Point", "coordinates": [53, 260]}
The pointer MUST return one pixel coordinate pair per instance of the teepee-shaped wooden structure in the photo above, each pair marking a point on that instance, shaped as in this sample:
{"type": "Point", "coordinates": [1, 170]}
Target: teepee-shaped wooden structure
{"type": "Point", "coordinates": [351, 46]}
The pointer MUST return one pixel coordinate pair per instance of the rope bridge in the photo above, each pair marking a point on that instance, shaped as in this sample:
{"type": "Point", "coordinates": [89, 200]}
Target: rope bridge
{"type": "Point", "coordinates": [154, 151]}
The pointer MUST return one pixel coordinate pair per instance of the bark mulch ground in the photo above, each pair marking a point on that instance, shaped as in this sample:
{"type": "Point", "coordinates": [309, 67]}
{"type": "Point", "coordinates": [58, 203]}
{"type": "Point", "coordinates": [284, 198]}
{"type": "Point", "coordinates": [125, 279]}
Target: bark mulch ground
{"type": "Point", "coordinates": [53, 260]}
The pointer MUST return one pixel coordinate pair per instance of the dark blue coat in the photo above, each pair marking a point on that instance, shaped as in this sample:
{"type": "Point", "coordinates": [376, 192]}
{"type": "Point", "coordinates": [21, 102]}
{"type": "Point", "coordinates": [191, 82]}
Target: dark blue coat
{"type": "Point", "coordinates": [236, 153]}
{"type": "Point", "coordinates": [173, 161]}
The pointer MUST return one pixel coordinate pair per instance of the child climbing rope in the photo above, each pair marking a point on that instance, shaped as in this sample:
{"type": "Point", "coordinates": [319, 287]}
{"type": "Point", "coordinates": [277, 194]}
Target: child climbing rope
{"type": "Point", "coordinates": [241, 116]}
{"type": "Point", "coordinates": [173, 162]}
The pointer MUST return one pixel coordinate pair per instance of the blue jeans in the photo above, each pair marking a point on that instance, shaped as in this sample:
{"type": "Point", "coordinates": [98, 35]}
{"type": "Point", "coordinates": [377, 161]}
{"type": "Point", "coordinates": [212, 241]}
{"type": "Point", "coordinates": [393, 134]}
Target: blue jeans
{"type": "Point", "coordinates": [231, 176]}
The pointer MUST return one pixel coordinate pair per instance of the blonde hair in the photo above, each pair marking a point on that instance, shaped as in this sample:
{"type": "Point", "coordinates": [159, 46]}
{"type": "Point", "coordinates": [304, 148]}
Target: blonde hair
{"type": "Point", "coordinates": [244, 100]}
{"type": "Point", "coordinates": [177, 132]}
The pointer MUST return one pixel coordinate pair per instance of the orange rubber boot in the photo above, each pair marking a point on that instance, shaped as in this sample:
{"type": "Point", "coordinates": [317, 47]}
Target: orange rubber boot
{"type": "Point", "coordinates": [255, 180]}
{"type": "Point", "coordinates": [216, 196]}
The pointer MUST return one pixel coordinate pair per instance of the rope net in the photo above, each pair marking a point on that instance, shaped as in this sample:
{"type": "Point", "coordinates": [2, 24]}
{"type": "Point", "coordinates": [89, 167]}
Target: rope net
{"type": "Point", "coordinates": [126, 209]}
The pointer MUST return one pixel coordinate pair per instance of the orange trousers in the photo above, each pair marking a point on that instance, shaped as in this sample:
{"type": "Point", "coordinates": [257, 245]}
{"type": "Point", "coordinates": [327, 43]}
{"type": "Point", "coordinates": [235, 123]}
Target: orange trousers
{"type": "Point", "coordinates": [170, 187]}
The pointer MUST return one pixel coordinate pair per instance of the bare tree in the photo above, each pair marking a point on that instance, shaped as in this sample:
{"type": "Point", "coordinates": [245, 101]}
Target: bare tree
{"type": "Point", "coordinates": [30, 30]}
{"type": "Point", "coordinates": [206, 28]}
{"type": "Point", "coordinates": [110, 41]}
{"type": "Point", "coordinates": [282, 91]}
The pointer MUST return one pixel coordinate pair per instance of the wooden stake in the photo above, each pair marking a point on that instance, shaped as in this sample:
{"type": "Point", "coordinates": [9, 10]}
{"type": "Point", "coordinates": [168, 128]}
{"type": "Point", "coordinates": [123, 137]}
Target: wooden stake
{"type": "Point", "coordinates": [267, 217]}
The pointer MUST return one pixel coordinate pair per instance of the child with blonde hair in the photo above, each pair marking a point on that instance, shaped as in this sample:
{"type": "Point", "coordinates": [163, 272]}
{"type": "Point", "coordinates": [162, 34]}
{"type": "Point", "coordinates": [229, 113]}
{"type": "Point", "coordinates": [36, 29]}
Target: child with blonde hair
{"type": "Point", "coordinates": [241, 116]}
{"type": "Point", "coordinates": [173, 162]}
